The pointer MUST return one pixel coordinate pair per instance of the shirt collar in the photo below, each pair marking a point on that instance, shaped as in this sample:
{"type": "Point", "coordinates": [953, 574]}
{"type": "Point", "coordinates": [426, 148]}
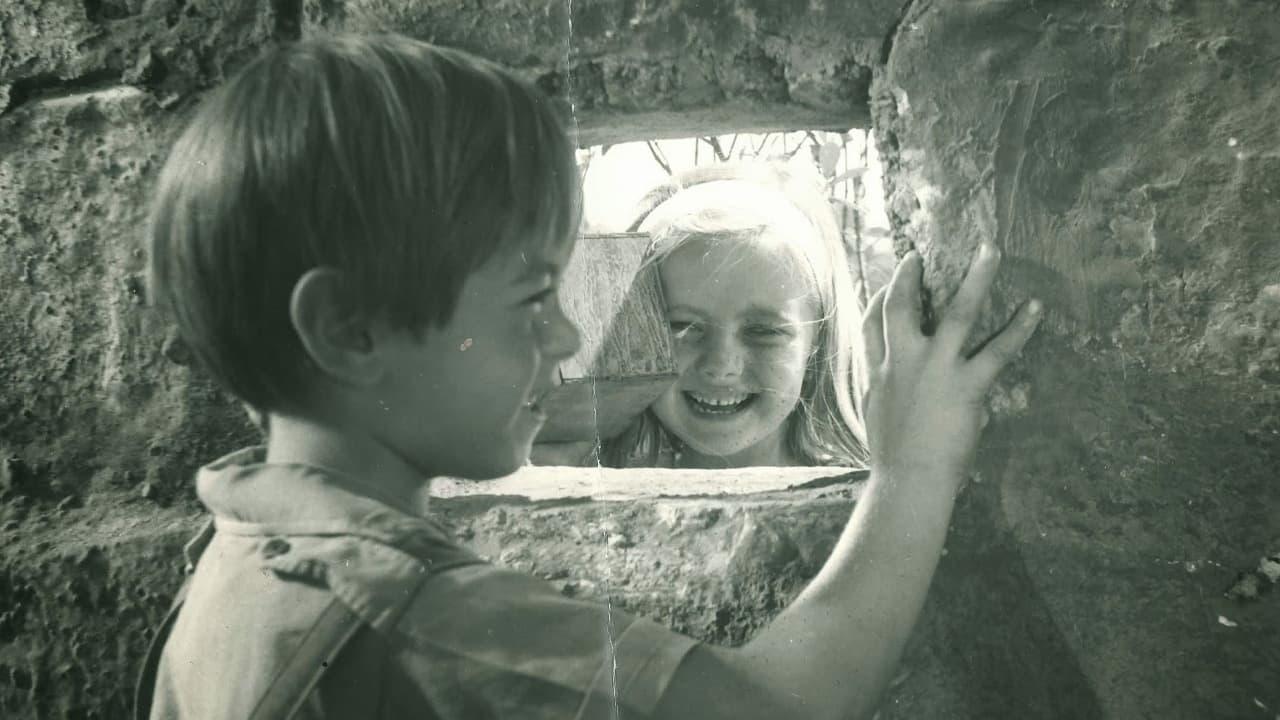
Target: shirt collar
{"type": "Point", "coordinates": [296, 499]}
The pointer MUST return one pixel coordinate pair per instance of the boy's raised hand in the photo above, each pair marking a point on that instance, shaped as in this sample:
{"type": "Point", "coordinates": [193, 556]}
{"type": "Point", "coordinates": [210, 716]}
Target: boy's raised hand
{"type": "Point", "coordinates": [924, 403]}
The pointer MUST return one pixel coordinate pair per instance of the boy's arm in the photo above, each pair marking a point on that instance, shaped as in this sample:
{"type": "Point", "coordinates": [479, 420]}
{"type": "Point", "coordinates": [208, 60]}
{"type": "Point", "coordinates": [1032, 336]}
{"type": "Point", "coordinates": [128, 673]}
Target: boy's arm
{"type": "Point", "coordinates": [831, 653]}
{"type": "Point", "coordinates": [833, 650]}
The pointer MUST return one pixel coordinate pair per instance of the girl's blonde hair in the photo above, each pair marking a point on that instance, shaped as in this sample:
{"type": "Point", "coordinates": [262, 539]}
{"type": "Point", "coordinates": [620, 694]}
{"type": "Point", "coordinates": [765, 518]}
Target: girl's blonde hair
{"type": "Point", "coordinates": [825, 428]}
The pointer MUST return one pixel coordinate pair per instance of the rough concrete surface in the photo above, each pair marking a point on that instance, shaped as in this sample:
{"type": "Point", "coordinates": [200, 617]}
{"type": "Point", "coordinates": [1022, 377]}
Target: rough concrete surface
{"type": "Point", "coordinates": [1123, 156]}
{"type": "Point", "coordinates": [91, 582]}
{"type": "Point", "coordinates": [627, 66]}
{"type": "Point", "coordinates": [90, 400]}
{"type": "Point", "coordinates": [171, 46]}
{"type": "Point", "coordinates": [1122, 153]}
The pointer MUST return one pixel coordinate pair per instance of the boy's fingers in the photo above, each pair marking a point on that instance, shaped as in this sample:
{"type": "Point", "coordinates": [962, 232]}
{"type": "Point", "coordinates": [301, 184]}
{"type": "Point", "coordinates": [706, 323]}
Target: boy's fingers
{"type": "Point", "coordinates": [963, 311]}
{"type": "Point", "coordinates": [902, 300]}
{"type": "Point", "coordinates": [873, 329]}
{"type": "Point", "coordinates": [1005, 346]}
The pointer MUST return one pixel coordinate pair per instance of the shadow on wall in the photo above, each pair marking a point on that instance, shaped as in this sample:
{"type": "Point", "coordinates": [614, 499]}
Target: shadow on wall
{"type": "Point", "coordinates": [986, 636]}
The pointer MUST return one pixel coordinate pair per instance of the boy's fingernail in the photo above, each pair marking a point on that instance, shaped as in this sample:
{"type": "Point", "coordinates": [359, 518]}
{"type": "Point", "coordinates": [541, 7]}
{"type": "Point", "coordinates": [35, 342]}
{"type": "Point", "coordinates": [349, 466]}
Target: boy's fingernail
{"type": "Point", "coordinates": [1034, 308]}
{"type": "Point", "coordinates": [988, 251]}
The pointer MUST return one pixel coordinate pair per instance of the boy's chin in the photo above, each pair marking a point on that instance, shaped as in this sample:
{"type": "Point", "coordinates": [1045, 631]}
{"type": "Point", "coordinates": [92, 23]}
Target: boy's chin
{"type": "Point", "coordinates": [494, 466]}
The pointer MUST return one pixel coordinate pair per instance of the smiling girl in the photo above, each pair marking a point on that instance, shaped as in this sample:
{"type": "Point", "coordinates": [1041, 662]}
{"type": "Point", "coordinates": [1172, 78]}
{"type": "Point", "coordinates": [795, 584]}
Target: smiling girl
{"type": "Point", "coordinates": [765, 323]}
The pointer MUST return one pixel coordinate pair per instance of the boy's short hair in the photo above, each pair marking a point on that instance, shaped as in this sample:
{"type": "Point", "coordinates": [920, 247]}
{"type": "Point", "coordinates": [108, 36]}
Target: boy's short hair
{"type": "Point", "coordinates": [402, 165]}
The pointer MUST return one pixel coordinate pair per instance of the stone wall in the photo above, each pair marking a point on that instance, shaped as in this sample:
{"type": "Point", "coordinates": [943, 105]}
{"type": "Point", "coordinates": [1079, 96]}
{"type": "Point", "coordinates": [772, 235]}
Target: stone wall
{"type": "Point", "coordinates": [97, 579]}
{"type": "Point", "coordinates": [1122, 152]}
{"type": "Point", "coordinates": [1124, 155]}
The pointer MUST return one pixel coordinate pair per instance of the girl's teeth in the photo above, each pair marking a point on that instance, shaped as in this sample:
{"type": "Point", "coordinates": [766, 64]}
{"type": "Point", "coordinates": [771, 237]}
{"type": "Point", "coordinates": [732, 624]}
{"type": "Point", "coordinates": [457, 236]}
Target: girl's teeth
{"type": "Point", "coordinates": [719, 402]}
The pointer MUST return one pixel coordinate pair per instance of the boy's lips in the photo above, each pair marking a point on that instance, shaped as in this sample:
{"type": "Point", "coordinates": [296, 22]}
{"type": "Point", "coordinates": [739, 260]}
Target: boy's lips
{"type": "Point", "coordinates": [539, 392]}
{"type": "Point", "coordinates": [534, 404]}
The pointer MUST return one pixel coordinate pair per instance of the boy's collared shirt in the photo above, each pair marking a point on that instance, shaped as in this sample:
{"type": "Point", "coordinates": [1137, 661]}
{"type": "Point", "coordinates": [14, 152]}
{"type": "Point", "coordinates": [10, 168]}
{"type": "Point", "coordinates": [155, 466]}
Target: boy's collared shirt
{"type": "Point", "coordinates": [470, 642]}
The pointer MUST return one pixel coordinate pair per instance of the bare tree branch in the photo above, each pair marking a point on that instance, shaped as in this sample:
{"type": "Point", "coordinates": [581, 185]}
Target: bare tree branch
{"type": "Point", "coordinates": [714, 142]}
{"type": "Point", "coordinates": [584, 163]}
{"type": "Point", "coordinates": [760, 148]}
{"type": "Point", "coordinates": [656, 152]}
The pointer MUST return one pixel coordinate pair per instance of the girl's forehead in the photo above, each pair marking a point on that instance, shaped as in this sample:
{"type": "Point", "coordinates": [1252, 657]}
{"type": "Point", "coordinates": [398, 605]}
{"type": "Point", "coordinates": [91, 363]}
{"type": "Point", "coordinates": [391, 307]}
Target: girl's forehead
{"type": "Point", "coordinates": [731, 255]}
{"type": "Point", "coordinates": [733, 273]}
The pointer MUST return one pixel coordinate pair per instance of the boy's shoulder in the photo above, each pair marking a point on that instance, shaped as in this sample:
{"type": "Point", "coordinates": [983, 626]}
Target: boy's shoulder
{"type": "Point", "coordinates": [452, 629]}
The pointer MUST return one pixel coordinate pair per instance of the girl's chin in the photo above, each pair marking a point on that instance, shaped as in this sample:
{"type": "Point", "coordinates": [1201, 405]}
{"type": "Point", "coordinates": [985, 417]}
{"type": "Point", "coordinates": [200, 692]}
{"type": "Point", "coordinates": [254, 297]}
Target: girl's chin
{"type": "Point", "coordinates": [716, 446]}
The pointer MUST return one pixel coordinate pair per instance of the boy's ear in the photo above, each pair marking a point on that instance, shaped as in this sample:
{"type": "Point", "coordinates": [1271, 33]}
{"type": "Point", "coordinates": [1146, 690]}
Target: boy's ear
{"type": "Point", "coordinates": [335, 334]}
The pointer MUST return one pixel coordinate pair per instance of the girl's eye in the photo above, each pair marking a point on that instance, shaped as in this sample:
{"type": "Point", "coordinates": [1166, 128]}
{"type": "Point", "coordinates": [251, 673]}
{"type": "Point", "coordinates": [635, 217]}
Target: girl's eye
{"type": "Point", "coordinates": [766, 331]}
{"type": "Point", "coordinates": [683, 328]}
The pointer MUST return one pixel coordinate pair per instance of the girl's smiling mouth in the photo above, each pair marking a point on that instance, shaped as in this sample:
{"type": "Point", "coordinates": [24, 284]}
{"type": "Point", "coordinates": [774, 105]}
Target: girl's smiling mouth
{"type": "Point", "coordinates": [718, 405]}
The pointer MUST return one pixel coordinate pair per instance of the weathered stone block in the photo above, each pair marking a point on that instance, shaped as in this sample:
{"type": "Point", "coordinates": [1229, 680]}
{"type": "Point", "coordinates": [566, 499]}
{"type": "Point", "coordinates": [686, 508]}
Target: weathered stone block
{"type": "Point", "coordinates": [87, 396]}
{"type": "Point", "coordinates": [627, 68]}
{"type": "Point", "coordinates": [989, 644]}
{"type": "Point", "coordinates": [79, 609]}
{"type": "Point", "coordinates": [175, 46]}
{"type": "Point", "coordinates": [1113, 151]}
{"type": "Point", "coordinates": [1120, 161]}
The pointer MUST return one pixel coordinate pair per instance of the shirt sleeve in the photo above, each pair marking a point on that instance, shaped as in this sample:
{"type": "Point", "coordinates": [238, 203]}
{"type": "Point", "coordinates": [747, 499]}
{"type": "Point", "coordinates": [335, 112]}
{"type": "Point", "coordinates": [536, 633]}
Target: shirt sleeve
{"type": "Point", "coordinates": [647, 655]}
{"type": "Point", "coordinates": [486, 638]}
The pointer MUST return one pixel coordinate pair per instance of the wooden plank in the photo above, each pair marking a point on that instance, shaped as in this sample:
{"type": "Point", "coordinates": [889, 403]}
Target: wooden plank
{"type": "Point", "coordinates": [626, 359]}
{"type": "Point", "coordinates": [587, 408]}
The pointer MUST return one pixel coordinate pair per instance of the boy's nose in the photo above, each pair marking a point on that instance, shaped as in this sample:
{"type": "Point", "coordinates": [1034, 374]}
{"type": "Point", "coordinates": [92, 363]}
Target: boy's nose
{"type": "Point", "coordinates": [560, 338]}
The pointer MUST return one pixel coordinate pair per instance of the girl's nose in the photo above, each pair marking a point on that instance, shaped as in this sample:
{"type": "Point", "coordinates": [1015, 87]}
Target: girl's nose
{"type": "Point", "coordinates": [721, 358]}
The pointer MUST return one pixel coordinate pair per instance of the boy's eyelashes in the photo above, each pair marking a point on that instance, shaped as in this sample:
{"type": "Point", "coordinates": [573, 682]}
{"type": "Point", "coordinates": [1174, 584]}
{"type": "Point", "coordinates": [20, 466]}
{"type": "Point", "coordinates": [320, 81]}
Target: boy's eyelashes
{"type": "Point", "coordinates": [537, 299]}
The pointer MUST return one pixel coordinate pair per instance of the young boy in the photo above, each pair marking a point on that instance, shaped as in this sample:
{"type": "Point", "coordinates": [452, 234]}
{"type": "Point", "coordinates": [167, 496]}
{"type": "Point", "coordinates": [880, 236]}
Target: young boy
{"type": "Point", "coordinates": [361, 238]}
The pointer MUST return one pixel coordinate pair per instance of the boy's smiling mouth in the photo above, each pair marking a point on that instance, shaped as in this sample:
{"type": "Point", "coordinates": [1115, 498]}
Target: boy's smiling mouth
{"type": "Point", "coordinates": [722, 404]}
{"type": "Point", "coordinates": [534, 404]}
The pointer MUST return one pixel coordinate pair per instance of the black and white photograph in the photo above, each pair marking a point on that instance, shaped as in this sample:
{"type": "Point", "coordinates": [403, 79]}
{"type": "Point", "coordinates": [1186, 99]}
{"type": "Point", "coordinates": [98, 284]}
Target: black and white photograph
{"type": "Point", "coordinates": [629, 359]}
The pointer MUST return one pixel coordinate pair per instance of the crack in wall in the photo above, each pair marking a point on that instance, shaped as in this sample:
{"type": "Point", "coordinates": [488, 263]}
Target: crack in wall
{"type": "Point", "coordinates": [883, 121]}
{"type": "Point", "coordinates": [48, 85]}
{"type": "Point", "coordinates": [1010, 156]}
{"type": "Point", "coordinates": [611, 653]}
{"type": "Point", "coordinates": [891, 37]}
